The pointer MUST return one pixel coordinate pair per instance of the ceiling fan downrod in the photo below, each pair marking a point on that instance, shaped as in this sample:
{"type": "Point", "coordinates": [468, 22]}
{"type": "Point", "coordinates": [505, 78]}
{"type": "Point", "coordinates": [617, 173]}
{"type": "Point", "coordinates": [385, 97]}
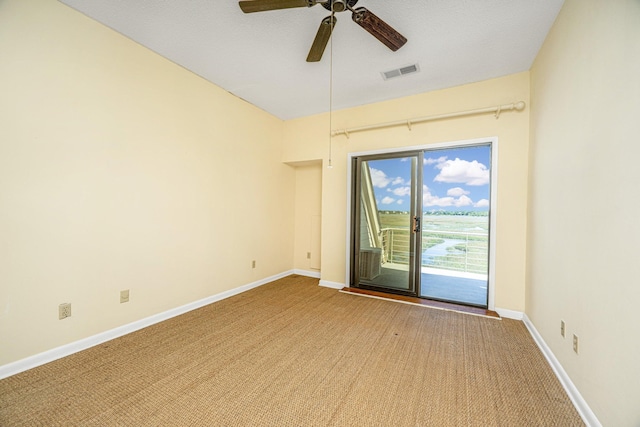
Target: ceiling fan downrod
{"type": "Point", "coordinates": [339, 5]}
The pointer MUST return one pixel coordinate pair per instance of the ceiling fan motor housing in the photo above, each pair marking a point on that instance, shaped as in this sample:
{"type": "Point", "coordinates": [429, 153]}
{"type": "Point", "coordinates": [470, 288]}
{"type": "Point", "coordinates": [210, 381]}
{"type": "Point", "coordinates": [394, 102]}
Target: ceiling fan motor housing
{"type": "Point", "coordinates": [338, 5]}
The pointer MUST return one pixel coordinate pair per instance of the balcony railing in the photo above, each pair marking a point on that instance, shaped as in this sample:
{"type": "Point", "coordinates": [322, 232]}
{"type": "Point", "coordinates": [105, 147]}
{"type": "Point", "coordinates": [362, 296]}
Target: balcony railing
{"type": "Point", "coordinates": [449, 250]}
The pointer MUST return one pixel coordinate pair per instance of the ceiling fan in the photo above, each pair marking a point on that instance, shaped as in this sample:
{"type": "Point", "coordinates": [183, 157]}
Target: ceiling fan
{"type": "Point", "coordinates": [361, 16]}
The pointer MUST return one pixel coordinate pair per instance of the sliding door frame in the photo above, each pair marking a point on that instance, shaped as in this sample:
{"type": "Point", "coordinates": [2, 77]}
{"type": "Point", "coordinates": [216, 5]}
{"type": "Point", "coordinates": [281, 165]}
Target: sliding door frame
{"type": "Point", "coordinates": [443, 145]}
{"type": "Point", "coordinates": [415, 239]}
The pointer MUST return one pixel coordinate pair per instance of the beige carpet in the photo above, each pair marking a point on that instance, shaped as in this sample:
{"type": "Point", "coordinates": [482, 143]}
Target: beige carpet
{"type": "Point", "coordinates": [292, 353]}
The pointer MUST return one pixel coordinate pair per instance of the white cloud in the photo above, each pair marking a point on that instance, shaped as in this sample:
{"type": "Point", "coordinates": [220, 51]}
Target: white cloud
{"type": "Point", "coordinates": [457, 192]}
{"type": "Point", "coordinates": [378, 178]}
{"type": "Point", "coordinates": [400, 201]}
{"type": "Point", "coordinates": [402, 191]}
{"type": "Point", "coordinates": [429, 200]}
{"type": "Point", "coordinates": [388, 200]}
{"type": "Point", "coordinates": [443, 202]}
{"type": "Point", "coordinates": [431, 160]}
{"type": "Point", "coordinates": [482, 203]}
{"type": "Point", "coordinates": [381, 180]}
{"type": "Point", "coordinates": [463, 171]}
{"type": "Point", "coordinates": [463, 201]}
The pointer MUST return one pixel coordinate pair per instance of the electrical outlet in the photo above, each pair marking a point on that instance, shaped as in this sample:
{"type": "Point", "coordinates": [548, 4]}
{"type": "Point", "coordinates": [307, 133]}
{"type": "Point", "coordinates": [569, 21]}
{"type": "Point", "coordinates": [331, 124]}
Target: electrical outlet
{"type": "Point", "coordinates": [64, 311]}
{"type": "Point", "coordinates": [253, 264]}
{"type": "Point", "coordinates": [562, 328]}
{"type": "Point", "coordinates": [575, 343]}
{"type": "Point", "coordinates": [308, 255]}
{"type": "Point", "coordinates": [124, 296]}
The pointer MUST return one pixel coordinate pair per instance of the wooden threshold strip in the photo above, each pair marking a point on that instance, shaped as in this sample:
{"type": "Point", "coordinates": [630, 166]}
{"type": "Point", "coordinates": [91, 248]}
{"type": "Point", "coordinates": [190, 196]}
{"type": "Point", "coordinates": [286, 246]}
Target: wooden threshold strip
{"type": "Point", "coordinates": [424, 302]}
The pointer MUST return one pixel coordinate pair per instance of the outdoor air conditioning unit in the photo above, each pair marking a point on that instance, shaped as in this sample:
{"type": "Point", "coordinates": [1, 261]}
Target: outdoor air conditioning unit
{"type": "Point", "coordinates": [370, 260]}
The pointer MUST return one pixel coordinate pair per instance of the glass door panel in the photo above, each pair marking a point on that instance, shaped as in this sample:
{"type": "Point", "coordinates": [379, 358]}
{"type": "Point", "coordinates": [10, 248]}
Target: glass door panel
{"type": "Point", "coordinates": [385, 223]}
{"type": "Point", "coordinates": [455, 232]}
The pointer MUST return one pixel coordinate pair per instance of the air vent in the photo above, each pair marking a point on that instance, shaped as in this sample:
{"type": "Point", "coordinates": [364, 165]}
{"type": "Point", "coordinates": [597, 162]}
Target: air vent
{"type": "Point", "coordinates": [409, 69]}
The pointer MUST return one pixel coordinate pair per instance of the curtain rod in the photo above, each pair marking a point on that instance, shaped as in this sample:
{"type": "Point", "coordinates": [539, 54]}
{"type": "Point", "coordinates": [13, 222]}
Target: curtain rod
{"type": "Point", "coordinates": [518, 106]}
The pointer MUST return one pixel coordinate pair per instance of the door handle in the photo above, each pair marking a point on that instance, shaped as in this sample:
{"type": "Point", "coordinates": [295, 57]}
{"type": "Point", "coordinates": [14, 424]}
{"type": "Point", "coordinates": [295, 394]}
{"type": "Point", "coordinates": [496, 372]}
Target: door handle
{"type": "Point", "coordinates": [416, 224]}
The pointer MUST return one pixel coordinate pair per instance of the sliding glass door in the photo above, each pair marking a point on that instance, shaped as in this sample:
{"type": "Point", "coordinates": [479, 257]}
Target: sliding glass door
{"type": "Point", "coordinates": [420, 223]}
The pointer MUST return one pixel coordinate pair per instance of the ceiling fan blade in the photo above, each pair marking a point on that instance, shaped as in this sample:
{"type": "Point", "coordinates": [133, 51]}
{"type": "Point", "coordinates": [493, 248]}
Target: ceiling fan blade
{"type": "Point", "coordinates": [249, 6]}
{"type": "Point", "coordinates": [322, 38]}
{"type": "Point", "coordinates": [378, 28]}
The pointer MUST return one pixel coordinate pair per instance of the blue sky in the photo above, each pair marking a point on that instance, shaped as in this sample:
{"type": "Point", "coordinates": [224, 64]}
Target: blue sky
{"type": "Point", "coordinates": [453, 180]}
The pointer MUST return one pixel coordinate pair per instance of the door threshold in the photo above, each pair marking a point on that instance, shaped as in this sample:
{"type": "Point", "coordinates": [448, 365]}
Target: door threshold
{"type": "Point", "coordinates": [476, 311]}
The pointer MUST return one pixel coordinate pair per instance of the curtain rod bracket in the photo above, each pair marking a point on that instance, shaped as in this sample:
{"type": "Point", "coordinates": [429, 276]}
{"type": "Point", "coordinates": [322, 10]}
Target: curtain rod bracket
{"type": "Point", "coordinates": [498, 112]}
{"type": "Point", "coordinates": [409, 124]}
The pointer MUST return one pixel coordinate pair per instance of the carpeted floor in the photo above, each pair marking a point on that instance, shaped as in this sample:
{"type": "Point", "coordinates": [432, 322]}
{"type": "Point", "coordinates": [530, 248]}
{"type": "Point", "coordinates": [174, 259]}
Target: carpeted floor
{"type": "Point", "coordinates": [291, 353]}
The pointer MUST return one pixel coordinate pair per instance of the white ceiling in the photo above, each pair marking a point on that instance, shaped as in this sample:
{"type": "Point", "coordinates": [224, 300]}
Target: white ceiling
{"type": "Point", "coordinates": [260, 57]}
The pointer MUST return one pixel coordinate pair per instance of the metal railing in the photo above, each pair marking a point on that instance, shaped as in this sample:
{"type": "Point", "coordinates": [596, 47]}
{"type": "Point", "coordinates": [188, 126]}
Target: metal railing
{"type": "Point", "coordinates": [459, 251]}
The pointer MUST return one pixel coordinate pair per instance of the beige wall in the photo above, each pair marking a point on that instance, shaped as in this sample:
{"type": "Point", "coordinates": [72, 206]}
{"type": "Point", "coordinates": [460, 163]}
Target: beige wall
{"type": "Point", "coordinates": [120, 170]}
{"type": "Point", "coordinates": [583, 258]}
{"type": "Point", "coordinates": [307, 139]}
{"type": "Point", "coordinates": [308, 213]}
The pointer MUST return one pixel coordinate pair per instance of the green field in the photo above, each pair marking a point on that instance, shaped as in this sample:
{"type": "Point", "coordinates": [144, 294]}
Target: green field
{"type": "Point", "coordinates": [438, 222]}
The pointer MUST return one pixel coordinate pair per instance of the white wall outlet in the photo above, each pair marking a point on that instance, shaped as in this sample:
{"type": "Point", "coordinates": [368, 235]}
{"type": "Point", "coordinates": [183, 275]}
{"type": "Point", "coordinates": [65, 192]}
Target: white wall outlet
{"type": "Point", "coordinates": [124, 296]}
{"type": "Point", "coordinates": [562, 328]}
{"type": "Point", "coordinates": [575, 343]}
{"type": "Point", "coordinates": [64, 310]}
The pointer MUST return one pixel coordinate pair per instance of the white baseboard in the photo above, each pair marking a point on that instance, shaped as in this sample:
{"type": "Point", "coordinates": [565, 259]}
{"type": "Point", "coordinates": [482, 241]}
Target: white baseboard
{"type": "Point", "coordinates": [83, 344]}
{"type": "Point", "coordinates": [332, 285]}
{"type": "Point", "coordinates": [510, 314]}
{"type": "Point", "coordinates": [307, 273]}
{"type": "Point", "coordinates": [580, 404]}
